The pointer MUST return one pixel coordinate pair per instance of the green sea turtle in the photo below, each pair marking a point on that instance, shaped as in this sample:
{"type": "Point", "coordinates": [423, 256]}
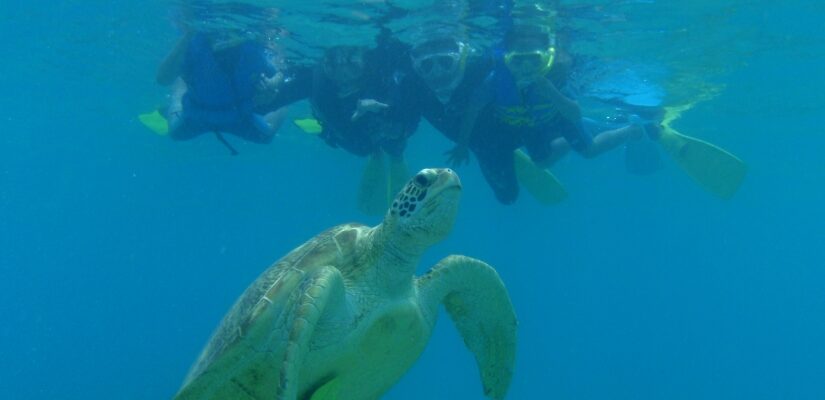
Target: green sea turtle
{"type": "Point", "coordinates": [343, 316]}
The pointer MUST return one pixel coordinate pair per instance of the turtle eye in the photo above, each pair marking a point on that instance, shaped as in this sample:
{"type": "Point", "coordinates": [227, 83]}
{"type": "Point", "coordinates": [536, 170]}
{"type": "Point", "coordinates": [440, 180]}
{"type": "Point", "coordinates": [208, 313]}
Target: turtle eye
{"type": "Point", "coordinates": [421, 179]}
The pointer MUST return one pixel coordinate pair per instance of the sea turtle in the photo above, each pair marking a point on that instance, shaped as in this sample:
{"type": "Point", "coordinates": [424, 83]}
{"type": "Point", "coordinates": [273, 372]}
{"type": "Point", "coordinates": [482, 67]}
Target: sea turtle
{"type": "Point", "coordinates": [343, 316]}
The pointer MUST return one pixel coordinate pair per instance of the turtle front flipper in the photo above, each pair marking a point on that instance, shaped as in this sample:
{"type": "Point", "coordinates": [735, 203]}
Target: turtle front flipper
{"type": "Point", "coordinates": [264, 360]}
{"type": "Point", "coordinates": [478, 303]}
{"type": "Point", "coordinates": [318, 289]}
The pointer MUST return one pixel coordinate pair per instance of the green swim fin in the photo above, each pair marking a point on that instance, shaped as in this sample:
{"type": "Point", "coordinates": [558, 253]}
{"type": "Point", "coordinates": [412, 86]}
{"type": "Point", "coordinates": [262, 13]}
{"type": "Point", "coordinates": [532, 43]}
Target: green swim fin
{"type": "Point", "coordinates": [539, 182]}
{"type": "Point", "coordinates": [713, 168]}
{"type": "Point", "coordinates": [309, 125]}
{"type": "Point", "coordinates": [710, 166]}
{"type": "Point", "coordinates": [155, 121]}
{"type": "Point", "coordinates": [329, 391]}
{"type": "Point", "coordinates": [372, 192]}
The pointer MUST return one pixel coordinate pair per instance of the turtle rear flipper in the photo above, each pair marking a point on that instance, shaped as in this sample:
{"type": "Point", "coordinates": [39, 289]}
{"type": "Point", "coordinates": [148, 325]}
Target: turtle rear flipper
{"type": "Point", "coordinates": [478, 303]}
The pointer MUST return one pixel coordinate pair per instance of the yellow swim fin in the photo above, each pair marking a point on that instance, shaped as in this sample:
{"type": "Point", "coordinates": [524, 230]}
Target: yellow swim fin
{"type": "Point", "coordinates": [372, 192]}
{"type": "Point", "coordinates": [309, 125]}
{"type": "Point", "coordinates": [539, 182]}
{"type": "Point", "coordinates": [713, 168]}
{"type": "Point", "coordinates": [155, 122]}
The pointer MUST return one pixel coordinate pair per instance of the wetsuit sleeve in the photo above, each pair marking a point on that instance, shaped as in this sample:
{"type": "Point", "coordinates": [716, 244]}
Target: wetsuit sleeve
{"type": "Point", "coordinates": [479, 100]}
{"type": "Point", "coordinates": [297, 86]}
{"type": "Point", "coordinates": [485, 93]}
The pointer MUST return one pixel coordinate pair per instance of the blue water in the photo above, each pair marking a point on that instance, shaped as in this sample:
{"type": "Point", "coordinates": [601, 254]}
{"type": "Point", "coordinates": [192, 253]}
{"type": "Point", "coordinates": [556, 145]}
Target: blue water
{"type": "Point", "coordinates": [120, 250]}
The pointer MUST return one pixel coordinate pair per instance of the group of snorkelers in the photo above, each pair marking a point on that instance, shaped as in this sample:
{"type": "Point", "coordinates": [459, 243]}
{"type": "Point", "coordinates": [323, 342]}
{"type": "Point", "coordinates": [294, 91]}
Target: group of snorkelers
{"type": "Point", "coordinates": [491, 103]}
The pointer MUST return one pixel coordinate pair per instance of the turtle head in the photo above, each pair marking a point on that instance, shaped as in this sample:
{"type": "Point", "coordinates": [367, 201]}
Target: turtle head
{"type": "Point", "coordinates": [424, 211]}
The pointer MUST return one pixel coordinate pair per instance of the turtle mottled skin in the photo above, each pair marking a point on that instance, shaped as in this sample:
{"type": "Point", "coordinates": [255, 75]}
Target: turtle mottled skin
{"type": "Point", "coordinates": [343, 316]}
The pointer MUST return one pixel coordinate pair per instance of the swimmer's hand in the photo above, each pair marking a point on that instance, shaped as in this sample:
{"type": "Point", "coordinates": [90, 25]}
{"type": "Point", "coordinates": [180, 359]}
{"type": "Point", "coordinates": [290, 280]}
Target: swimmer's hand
{"type": "Point", "coordinates": [268, 88]}
{"type": "Point", "coordinates": [368, 105]}
{"type": "Point", "coordinates": [458, 155]}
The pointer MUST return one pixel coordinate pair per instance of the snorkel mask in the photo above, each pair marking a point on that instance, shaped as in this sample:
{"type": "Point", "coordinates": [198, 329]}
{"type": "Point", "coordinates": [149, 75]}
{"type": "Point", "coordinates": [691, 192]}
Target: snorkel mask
{"type": "Point", "coordinates": [530, 56]}
{"type": "Point", "coordinates": [440, 64]}
{"type": "Point", "coordinates": [529, 64]}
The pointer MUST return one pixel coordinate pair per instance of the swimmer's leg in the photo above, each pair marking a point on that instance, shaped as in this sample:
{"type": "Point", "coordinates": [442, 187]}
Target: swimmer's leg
{"type": "Point", "coordinates": [499, 171]}
{"type": "Point", "coordinates": [372, 191]}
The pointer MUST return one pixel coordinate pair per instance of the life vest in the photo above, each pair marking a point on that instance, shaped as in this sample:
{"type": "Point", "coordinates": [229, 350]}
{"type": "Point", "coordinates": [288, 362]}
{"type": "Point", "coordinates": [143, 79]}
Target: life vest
{"type": "Point", "coordinates": [514, 107]}
{"type": "Point", "coordinates": [220, 88]}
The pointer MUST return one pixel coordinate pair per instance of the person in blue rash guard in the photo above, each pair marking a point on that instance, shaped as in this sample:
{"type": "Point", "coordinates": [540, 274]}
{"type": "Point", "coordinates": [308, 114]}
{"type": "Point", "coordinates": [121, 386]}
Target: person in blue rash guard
{"type": "Point", "coordinates": [497, 103]}
{"type": "Point", "coordinates": [215, 90]}
{"type": "Point", "coordinates": [528, 86]}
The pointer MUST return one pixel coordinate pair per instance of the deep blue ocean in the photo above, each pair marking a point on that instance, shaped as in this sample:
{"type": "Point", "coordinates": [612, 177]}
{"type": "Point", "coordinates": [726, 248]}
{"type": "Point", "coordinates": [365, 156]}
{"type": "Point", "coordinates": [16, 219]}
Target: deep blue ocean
{"type": "Point", "coordinates": [121, 250]}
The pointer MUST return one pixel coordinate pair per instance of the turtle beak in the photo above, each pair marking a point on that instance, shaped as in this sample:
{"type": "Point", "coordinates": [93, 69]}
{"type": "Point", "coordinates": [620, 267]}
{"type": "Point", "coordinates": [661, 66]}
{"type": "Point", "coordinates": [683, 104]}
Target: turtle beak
{"type": "Point", "coordinates": [446, 179]}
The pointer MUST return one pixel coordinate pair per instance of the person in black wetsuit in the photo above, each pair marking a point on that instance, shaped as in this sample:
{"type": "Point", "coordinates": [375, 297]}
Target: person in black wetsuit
{"type": "Point", "coordinates": [452, 73]}
{"type": "Point", "coordinates": [362, 99]}
{"type": "Point", "coordinates": [359, 97]}
{"type": "Point", "coordinates": [453, 102]}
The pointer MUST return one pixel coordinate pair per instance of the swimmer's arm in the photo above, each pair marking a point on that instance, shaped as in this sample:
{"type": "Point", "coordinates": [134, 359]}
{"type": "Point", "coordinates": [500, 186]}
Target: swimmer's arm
{"type": "Point", "coordinates": [568, 108]}
{"type": "Point", "coordinates": [283, 89]}
{"type": "Point", "coordinates": [171, 66]}
{"type": "Point", "coordinates": [480, 99]}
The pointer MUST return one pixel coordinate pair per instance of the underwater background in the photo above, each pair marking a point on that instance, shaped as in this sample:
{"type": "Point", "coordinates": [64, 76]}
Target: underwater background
{"type": "Point", "coordinates": [121, 250]}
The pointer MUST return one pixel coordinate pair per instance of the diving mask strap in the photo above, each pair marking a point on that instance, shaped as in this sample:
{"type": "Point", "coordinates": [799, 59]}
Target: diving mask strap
{"type": "Point", "coordinates": [446, 93]}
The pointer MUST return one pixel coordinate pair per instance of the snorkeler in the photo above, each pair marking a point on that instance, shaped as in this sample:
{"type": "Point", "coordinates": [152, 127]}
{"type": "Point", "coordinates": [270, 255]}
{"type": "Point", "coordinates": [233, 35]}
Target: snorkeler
{"type": "Point", "coordinates": [528, 99]}
{"type": "Point", "coordinates": [513, 100]}
{"type": "Point", "coordinates": [368, 114]}
{"type": "Point", "coordinates": [458, 102]}
{"type": "Point", "coordinates": [214, 90]}
{"type": "Point", "coordinates": [360, 100]}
